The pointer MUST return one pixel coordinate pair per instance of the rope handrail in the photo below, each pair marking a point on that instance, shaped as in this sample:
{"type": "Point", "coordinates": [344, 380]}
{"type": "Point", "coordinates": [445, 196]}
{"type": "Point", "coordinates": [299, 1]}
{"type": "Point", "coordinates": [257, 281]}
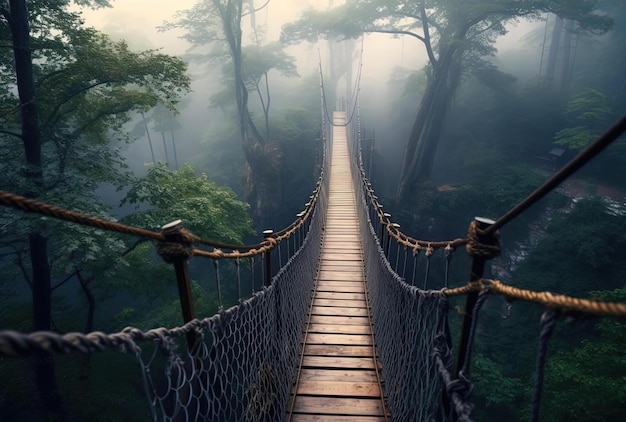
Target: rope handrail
{"type": "Point", "coordinates": [551, 300]}
{"type": "Point", "coordinates": [238, 251]}
{"type": "Point", "coordinates": [548, 186]}
{"type": "Point", "coordinates": [402, 238]}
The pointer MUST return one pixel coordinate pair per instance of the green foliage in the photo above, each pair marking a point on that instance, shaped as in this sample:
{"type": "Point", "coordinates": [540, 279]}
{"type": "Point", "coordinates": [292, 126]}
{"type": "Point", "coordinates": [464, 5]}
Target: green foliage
{"type": "Point", "coordinates": [593, 373]}
{"type": "Point", "coordinates": [497, 394]}
{"type": "Point", "coordinates": [206, 209]}
{"type": "Point", "coordinates": [590, 112]}
{"type": "Point", "coordinates": [448, 210]}
{"type": "Point", "coordinates": [168, 314]}
{"type": "Point", "coordinates": [580, 251]}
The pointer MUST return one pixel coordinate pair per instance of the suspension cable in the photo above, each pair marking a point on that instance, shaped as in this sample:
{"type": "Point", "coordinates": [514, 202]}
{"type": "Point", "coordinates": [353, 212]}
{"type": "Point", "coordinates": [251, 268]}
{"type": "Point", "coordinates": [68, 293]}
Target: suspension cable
{"type": "Point", "coordinates": [580, 160]}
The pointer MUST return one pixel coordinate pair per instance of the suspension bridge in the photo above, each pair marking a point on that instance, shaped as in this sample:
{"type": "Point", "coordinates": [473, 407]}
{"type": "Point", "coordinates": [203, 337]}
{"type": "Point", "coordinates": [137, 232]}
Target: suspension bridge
{"type": "Point", "coordinates": [341, 331]}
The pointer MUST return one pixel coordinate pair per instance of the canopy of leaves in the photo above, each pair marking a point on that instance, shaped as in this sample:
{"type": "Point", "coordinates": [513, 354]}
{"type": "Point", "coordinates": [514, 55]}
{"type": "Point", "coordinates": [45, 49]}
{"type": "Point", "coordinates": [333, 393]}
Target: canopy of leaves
{"type": "Point", "coordinates": [436, 23]}
{"type": "Point", "coordinates": [589, 112]}
{"type": "Point", "coordinates": [257, 62]}
{"type": "Point", "coordinates": [207, 210]}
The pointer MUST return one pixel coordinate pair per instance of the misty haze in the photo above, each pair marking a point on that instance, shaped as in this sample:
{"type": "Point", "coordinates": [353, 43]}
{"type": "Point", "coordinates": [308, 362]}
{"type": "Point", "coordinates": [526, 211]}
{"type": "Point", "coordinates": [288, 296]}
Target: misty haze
{"type": "Point", "coordinates": [312, 210]}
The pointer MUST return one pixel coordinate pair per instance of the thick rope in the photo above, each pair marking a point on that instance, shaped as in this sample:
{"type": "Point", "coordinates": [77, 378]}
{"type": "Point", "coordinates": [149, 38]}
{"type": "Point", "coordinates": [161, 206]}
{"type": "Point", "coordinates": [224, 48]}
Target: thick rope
{"type": "Point", "coordinates": [548, 321]}
{"type": "Point", "coordinates": [548, 299]}
{"type": "Point", "coordinates": [32, 205]}
{"type": "Point", "coordinates": [482, 297]}
{"type": "Point", "coordinates": [457, 390]}
{"type": "Point", "coordinates": [14, 344]}
{"type": "Point", "coordinates": [476, 245]}
{"type": "Point", "coordinates": [180, 249]}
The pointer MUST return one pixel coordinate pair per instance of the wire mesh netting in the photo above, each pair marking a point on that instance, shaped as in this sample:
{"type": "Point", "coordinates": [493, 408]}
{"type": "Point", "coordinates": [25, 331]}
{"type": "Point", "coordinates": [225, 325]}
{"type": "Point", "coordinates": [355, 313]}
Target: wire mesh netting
{"type": "Point", "coordinates": [245, 362]}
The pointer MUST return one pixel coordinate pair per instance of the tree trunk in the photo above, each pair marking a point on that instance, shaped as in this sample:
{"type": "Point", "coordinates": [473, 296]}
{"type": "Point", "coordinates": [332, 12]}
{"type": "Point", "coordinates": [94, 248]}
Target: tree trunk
{"type": "Point", "coordinates": [167, 156]}
{"type": "Point", "coordinates": [568, 63]}
{"type": "Point", "coordinates": [555, 45]}
{"type": "Point", "coordinates": [38, 244]}
{"type": "Point", "coordinates": [91, 301]}
{"type": "Point", "coordinates": [419, 155]}
{"type": "Point", "coordinates": [145, 123]}
{"type": "Point", "coordinates": [174, 148]}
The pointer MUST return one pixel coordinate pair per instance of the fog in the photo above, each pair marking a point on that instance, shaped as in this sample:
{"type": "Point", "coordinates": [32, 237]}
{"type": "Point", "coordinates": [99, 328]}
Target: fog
{"type": "Point", "coordinates": [386, 104]}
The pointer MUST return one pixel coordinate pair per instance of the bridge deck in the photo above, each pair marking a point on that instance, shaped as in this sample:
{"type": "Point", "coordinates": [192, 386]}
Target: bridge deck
{"type": "Point", "coordinates": [338, 379]}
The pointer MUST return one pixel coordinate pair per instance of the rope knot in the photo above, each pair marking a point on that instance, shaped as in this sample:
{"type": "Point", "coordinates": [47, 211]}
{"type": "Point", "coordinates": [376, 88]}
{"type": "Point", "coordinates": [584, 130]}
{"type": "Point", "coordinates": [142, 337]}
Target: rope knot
{"type": "Point", "coordinates": [177, 246]}
{"type": "Point", "coordinates": [479, 245]}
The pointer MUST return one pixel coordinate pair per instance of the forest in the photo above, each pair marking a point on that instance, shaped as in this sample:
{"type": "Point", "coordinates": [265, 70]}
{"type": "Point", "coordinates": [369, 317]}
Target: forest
{"type": "Point", "coordinates": [465, 108]}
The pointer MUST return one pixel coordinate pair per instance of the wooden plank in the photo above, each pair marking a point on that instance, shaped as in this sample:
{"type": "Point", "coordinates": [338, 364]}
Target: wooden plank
{"type": "Point", "coordinates": [338, 406]}
{"type": "Point", "coordinates": [334, 265]}
{"type": "Point", "coordinates": [341, 303]}
{"type": "Point", "coordinates": [328, 310]}
{"type": "Point", "coordinates": [337, 350]}
{"type": "Point", "coordinates": [341, 247]}
{"type": "Point", "coordinates": [331, 284]}
{"type": "Point", "coordinates": [340, 339]}
{"type": "Point", "coordinates": [338, 389]}
{"type": "Point", "coordinates": [344, 256]}
{"type": "Point", "coordinates": [305, 417]}
{"type": "Point", "coordinates": [337, 380]}
{"type": "Point", "coordinates": [342, 288]}
{"type": "Point", "coordinates": [355, 264]}
{"type": "Point", "coordinates": [342, 279]}
{"type": "Point", "coordinates": [353, 244]}
{"type": "Point", "coordinates": [330, 319]}
{"type": "Point", "coordinates": [339, 296]}
{"type": "Point", "coordinates": [339, 329]}
{"type": "Point", "coordinates": [351, 268]}
{"type": "Point", "coordinates": [352, 375]}
{"type": "Point", "coordinates": [340, 276]}
{"type": "Point", "coordinates": [350, 362]}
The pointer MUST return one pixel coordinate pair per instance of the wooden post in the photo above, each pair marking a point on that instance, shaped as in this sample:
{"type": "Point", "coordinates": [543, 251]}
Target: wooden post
{"type": "Point", "coordinates": [268, 261]}
{"type": "Point", "coordinates": [388, 242]}
{"type": "Point", "coordinates": [173, 234]}
{"type": "Point", "coordinates": [478, 268]}
{"type": "Point", "coordinates": [383, 224]}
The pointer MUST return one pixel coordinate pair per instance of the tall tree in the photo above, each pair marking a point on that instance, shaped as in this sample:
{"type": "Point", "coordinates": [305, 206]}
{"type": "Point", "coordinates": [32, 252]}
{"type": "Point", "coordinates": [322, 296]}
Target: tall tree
{"type": "Point", "coordinates": [453, 34]}
{"type": "Point", "coordinates": [217, 25]}
{"type": "Point", "coordinates": [74, 89]}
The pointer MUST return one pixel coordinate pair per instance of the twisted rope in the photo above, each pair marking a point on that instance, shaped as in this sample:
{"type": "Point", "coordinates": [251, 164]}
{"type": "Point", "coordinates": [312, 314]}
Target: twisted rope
{"type": "Point", "coordinates": [15, 344]}
{"type": "Point", "coordinates": [482, 297]}
{"type": "Point", "coordinates": [457, 390]}
{"type": "Point", "coordinates": [548, 299]}
{"type": "Point", "coordinates": [548, 321]}
{"type": "Point", "coordinates": [476, 245]}
{"type": "Point", "coordinates": [32, 205]}
{"type": "Point", "coordinates": [168, 249]}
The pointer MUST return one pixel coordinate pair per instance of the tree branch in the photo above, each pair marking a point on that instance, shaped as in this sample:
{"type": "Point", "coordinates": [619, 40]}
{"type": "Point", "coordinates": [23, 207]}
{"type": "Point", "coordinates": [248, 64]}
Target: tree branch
{"type": "Point", "coordinates": [429, 47]}
{"type": "Point", "coordinates": [132, 248]}
{"type": "Point", "coordinates": [256, 10]}
{"type": "Point", "coordinates": [22, 266]}
{"type": "Point", "coordinates": [68, 278]}
{"type": "Point", "coordinates": [395, 32]}
{"type": "Point", "coordinates": [73, 95]}
{"type": "Point", "coordinates": [11, 132]}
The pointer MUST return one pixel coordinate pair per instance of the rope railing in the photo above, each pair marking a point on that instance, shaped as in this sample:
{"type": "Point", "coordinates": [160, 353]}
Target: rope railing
{"type": "Point", "coordinates": [482, 244]}
{"type": "Point", "coordinates": [248, 351]}
{"type": "Point", "coordinates": [564, 304]}
{"type": "Point", "coordinates": [238, 251]}
{"type": "Point", "coordinates": [475, 247]}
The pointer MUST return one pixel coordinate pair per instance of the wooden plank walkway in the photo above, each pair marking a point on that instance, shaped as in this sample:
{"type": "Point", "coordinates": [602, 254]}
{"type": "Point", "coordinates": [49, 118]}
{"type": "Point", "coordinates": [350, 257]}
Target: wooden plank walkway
{"type": "Point", "coordinates": [338, 378]}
